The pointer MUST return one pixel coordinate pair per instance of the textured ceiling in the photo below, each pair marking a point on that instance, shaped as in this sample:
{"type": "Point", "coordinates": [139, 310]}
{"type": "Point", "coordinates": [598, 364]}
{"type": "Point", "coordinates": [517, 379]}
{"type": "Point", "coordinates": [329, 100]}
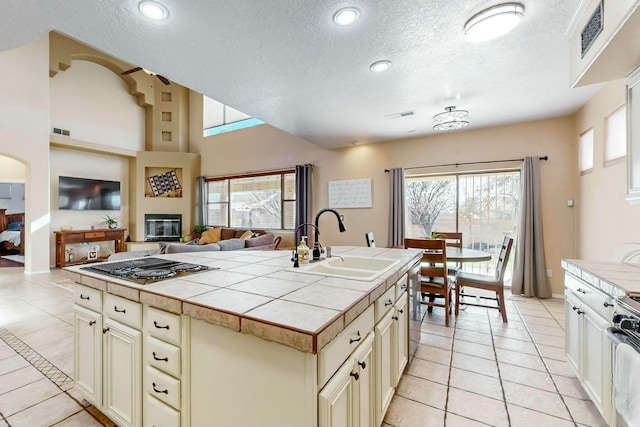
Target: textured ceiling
{"type": "Point", "coordinates": [287, 63]}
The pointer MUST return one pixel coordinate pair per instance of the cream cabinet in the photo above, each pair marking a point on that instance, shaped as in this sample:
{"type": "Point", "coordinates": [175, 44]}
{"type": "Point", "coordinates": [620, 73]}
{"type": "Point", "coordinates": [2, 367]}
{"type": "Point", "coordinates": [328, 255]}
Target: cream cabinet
{"type": "Point", "coordinates": [589, 351]}
{"type": "Point", "coordinates": [107, 359]}
{"type": "Point", "coordinates": [165, 391]}
{"type": "Point", "coordinates": [384, 365]}
{"type": "Point", "coordinates": [400, 337]}
{"type": "Point", "coordinates": [346, 400]}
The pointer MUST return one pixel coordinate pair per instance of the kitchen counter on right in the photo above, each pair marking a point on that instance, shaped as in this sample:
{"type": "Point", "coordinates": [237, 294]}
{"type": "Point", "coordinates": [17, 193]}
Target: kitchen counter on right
{"type": "Point", "coordinates": [613, 278]}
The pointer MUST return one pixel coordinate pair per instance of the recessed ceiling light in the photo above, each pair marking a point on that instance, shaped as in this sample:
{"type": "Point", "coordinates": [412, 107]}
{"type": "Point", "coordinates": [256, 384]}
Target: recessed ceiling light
{"type": "Point", "coordinates": [493, 22]}
{"type": "Point", "coordinates": [153, 10]}
{"type": "Point", "coordinates": [380, 66]}
{"type": "Point", "coordinates": [346, 15]}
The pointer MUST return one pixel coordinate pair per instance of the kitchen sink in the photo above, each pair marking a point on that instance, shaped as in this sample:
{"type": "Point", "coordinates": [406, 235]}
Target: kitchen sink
{"type": "Point", "coordinates": [348, 267]}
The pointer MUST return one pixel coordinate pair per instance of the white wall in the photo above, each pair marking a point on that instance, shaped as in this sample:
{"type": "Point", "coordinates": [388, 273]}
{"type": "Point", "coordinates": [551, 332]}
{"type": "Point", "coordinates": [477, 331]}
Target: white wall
{"type": "Point", "coordinates": [94, 104]}
{"type": "Point", "coordinates": [24, 120]}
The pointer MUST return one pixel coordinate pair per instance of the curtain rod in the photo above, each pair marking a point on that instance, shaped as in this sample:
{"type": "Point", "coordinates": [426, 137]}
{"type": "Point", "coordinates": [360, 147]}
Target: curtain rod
{"type": "Point", "coordinates": [470, 163]}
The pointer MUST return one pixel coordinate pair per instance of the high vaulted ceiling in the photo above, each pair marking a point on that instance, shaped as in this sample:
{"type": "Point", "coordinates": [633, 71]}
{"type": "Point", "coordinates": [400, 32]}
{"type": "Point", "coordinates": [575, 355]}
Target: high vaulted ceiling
{"type": "Point", "coordinates": [287, 63]}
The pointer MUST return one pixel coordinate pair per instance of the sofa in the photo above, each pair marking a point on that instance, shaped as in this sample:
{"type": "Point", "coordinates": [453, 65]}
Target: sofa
{"type": "Point", "coordinates": [227, 239]}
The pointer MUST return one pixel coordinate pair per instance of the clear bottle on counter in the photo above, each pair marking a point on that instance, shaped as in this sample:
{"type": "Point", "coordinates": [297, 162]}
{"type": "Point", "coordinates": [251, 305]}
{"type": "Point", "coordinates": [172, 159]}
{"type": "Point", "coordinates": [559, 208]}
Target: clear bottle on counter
{"type": "Point", "coordinates": [303, 251]}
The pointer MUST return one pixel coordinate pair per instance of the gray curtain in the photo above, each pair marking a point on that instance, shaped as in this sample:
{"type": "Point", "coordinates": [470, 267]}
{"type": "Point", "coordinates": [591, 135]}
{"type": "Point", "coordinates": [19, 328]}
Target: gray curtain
{"type": "Point", "coordinates": [304, 175]}
{"type": "Point", "coordinates": [529, 272]}
{"type": "Point", "coordinates": [202, 196]}
{"type": "Point", "coordinates": [396, 207]}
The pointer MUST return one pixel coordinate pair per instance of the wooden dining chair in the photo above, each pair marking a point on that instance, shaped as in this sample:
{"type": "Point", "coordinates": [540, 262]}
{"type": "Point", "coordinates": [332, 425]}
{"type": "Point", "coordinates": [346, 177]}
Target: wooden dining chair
{"type": "Point", "coordinates": [453, 239]}
{"type": "Point", "coordinates": [434, 280]}
{"type": "Point", "coordinates": [491, 283]}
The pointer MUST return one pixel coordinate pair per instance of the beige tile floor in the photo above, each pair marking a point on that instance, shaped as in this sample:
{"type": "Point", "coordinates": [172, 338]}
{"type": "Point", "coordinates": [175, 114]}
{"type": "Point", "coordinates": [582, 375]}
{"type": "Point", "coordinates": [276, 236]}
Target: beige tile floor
{"type": "Point", "coordinates": [478, 372]}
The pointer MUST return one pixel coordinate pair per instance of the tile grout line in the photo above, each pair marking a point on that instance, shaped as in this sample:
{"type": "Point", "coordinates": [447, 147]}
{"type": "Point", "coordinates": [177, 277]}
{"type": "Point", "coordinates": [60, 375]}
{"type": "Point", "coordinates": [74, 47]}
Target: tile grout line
{"type": "Point", "coordinates": [495, 354]}
{"type": "Point", "coordinates": [546, 366]}
{"type": "Point", "coordinates": [446, 401]}
{"type": "Point", "coordinates": [44, 366]}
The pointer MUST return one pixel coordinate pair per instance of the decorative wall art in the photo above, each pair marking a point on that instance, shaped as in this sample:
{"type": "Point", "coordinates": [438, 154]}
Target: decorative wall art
{"type": "Point", "coordinates": [163, 182]}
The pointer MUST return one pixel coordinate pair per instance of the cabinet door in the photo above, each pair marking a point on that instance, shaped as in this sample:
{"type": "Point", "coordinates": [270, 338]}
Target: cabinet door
{"type": "Point", "coordinates": [596, 369]}
{"type": "Point", "coordinates": [384, 354]}
{"type": "Point", "coordinates": [365, 392]}
{"type": "Point", "coordinates": [336, 400]}
{"type": "Point", "coordinates": [122, 373]}
{"type": "Point", "coordinates": [400, 338]}
{"type": "Point", "coordinates": [572, 332]}
{"type": "Point", "coordinates": [87, 363]}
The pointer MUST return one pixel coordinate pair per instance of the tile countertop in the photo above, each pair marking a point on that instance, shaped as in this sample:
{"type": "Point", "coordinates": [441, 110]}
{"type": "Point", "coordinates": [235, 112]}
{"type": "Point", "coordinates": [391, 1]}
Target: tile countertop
{"type": "Point", "coordinates": [253, 293]}
{"type": "Point", "coordinates": [614, 278]}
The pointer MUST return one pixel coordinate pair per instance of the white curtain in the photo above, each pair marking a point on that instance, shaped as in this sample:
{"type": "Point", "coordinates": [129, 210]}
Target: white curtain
{"type": "Point", "coordinates": [396, 207]}
{"type": "Point", "coordinates": [529, 272]}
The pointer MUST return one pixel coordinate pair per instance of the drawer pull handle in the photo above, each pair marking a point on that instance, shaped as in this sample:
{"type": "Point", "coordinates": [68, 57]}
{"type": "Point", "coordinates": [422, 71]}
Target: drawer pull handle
{"type": "Point", "coordinates": [574, 308]}
{"type": "Point", "coordinates": [581, 290]}
{"type": "Point", "coordinates": [403, 287]}
{"type": "Point", "coordinates": [164, 359]}
{"type": "Point", "coordinates": [395, 317]}
{"type": "Point", "coordinates": [363, 365]}
{"type": "Point", "coordinates": [92, 322]}
{"type": "Point", "coordinates": [160, 326]}
{"type": "Point", "coordinates": [401, 311]}
{"type": "Point", "coordinates": [580, 312]}
{"type": "Point", "coordinates": [388, 303]}
{"type": "Point", "coordinates": [355, 375]}
{"type": "Point", "coordinates": [352, 340]}
{"type": "Point", "coordinates": [606, 304]}
{"type": "Point", "coordinates": [105, 330]}
{"type": "Point", "coordinates": [115, 308]}
{"type": "Point", "coordinates": [165, 391]}
{"type": "Point", "coordinates": [83, 297]}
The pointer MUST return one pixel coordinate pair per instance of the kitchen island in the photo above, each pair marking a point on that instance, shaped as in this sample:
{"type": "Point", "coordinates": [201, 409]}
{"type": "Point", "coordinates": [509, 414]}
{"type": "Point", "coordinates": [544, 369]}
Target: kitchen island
{"type": "Point", "coordinates": [591, 291]}
{"type": "Point", "coordinates": [251, 342]}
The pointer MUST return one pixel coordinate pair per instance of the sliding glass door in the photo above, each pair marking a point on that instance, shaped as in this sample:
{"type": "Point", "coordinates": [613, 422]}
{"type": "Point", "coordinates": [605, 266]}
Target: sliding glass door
{"type": "Point", "coordinates": [483, 206]}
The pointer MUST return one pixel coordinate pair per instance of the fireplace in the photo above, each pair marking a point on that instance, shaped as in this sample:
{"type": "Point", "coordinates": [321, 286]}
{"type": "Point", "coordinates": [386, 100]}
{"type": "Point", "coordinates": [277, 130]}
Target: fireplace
{"type": "Point", "coordinates": [162, 227]}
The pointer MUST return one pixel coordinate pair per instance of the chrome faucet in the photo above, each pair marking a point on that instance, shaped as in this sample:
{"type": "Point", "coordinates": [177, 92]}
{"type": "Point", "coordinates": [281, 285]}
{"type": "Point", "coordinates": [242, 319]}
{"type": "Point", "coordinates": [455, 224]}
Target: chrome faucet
{"type": "Point", "coordinates": [317, 247]}
{"type": "Point", "coordinates": [294, 256]}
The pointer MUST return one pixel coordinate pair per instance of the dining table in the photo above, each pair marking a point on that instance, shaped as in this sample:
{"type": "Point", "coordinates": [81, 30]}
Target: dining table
{"type": "Point", "coordinates": [455, 254]}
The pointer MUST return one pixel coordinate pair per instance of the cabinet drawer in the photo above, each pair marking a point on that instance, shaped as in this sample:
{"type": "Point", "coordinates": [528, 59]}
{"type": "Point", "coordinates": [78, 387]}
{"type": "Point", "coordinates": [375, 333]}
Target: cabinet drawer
{"type": "Point", "coordinates": [157, 414]}
{"type": "Point", "coordinates": [401, 286]}
{"type": "Point", "coordinates": [385, 303]}
{"type": "Point", "coordinates": [162, 355]}
{"type": "Point", "coordinates": [588, 295]}
{"type": "Point", "coordinates": [162, 386]}
{"type": "Point", "coordinates": [162, 324]}
{"type": "Point", "coordinates": [87, 297]}
{"type": "Point", "coordinates": [94, 235]}
{"type": "Point", "coordinates": [123, 310]}
{"type": "Point", "coordinates": [337, 351]}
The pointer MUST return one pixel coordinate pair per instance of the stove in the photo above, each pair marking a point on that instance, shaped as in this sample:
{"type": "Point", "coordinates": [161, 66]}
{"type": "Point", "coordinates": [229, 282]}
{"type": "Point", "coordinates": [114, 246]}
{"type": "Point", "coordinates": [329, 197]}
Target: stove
{"type": "Point", "coordinates": [144, 271]}
{"type": "Point", "coordinates": [626, 320]}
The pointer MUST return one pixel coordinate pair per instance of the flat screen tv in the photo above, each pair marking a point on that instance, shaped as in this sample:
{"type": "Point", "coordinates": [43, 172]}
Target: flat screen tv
{"type": "Point", "coordinates": [88, 194]}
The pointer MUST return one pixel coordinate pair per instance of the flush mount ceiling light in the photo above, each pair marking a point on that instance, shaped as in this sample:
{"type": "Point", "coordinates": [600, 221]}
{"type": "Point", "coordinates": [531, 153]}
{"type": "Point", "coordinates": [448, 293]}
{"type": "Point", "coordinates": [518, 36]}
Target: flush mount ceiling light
{"type": "Point", "coordinates": [153, 10]}
{"type": "Point", "coordinates": [451, 119]}
{"type": "Point", "coordinates": [380, 66]}
{"type": "Point", "coordinates": [493, 22]}
{"type": "Point", "coordinates": [346, 15]}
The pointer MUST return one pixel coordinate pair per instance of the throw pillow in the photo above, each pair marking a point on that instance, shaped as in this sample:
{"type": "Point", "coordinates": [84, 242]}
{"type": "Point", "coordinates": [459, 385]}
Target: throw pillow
{"type": "Point", "coordinates": [262, 240]}
{"type": "Point", "coordinates": [246, 235]}
{"type": "Point", "coordinates": [210, 236]}
{"type": "Point", "coordinates": [14, 226]}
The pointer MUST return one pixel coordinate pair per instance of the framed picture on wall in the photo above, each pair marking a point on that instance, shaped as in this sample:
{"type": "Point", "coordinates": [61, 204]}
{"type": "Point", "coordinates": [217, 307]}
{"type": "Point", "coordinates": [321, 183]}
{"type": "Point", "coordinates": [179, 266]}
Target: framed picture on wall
{"type": "Point", "coordinates": [92, 255]}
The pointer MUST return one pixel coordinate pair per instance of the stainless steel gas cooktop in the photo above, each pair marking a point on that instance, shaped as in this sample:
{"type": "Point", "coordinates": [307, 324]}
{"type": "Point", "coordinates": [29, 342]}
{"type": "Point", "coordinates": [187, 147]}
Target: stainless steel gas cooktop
{"type": "Point", "coordinates": [147, 270]}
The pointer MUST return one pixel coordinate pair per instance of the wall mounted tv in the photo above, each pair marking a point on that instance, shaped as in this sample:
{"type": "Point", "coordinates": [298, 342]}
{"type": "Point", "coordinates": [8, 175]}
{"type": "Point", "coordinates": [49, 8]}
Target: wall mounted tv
{"type": "Point", "coordinates": [88, 194]}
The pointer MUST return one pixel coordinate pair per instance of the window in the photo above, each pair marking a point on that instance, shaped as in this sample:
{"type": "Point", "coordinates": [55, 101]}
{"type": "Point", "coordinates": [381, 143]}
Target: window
{"type": "Point", "coordinates": [218, 118]}
{"type": "Point", "coordinates": [615, 144]}
{"type": "Point", "coordinates": [262, 201]}
{"type": "Point", "coordinates": [482, 206]}
{"type": "Point", "coordinates": [585, 151]}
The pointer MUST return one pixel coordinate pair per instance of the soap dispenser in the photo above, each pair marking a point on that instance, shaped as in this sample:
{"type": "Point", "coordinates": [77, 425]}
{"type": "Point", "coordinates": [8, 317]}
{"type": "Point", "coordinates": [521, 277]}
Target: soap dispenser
{"type": "Point", "coordinates": [303, 251]}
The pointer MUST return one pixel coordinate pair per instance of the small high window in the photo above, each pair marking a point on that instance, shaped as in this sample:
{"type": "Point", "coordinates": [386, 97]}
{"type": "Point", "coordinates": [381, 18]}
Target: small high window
{"type": "Point", "coordinates": [615, 143]}
{"type": "Point", "coordinates": [585, 151]}
{"type": "Point", "coordinates": [218, 118]}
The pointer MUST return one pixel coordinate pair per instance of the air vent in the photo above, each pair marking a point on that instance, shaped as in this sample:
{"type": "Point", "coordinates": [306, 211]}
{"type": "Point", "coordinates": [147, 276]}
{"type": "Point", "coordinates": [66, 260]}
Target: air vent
{"type": "Point", "coordinates": [401, 114]}
{"type": "Point", "coordinates": [592, 29]}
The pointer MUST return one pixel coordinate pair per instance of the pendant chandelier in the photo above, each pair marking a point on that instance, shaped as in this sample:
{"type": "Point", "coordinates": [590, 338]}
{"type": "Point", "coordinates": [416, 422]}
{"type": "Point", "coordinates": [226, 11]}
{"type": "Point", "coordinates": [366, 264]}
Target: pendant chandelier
{"type": "Point", "coordinates": [451, 119]}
